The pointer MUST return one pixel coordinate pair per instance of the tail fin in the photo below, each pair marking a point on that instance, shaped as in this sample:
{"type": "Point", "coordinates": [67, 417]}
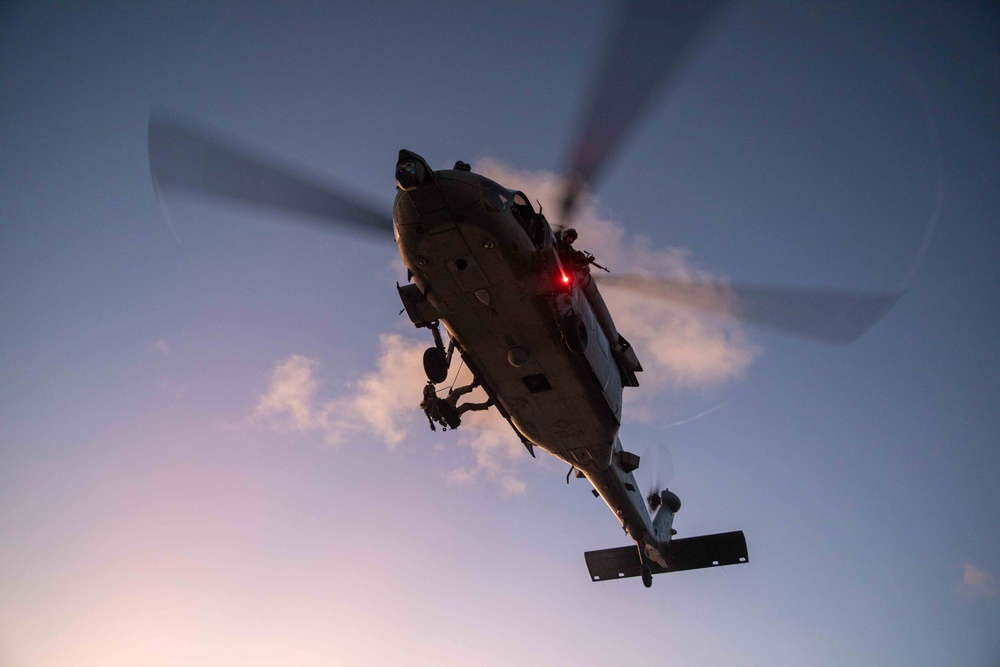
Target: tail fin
{"type": "Point", "coordinates": [690, 553]}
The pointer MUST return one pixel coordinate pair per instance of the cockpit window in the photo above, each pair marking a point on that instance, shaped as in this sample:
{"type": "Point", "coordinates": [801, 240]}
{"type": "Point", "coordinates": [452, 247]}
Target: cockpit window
{"type": "Point", "coordinates": [521, 200]}
{"type": "Point", "coordinates": [496, 197]}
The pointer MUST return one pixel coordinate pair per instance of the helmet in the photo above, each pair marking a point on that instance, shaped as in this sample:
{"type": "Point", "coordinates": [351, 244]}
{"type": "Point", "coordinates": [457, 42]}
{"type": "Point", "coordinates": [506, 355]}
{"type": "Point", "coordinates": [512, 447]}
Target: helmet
{"type": "Point", "coordinates": [570, 235]}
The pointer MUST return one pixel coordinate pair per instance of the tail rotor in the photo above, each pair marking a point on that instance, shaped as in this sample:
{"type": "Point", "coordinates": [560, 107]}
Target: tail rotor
{"type": "Point", "coordinates": [660, 464]}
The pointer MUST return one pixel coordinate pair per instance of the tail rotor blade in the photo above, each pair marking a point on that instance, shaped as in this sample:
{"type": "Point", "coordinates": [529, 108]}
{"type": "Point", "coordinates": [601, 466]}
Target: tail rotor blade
{"type": "Point", "coordinates": [660, 464]}
{"type": "Point", "coordinates": [663, 473]}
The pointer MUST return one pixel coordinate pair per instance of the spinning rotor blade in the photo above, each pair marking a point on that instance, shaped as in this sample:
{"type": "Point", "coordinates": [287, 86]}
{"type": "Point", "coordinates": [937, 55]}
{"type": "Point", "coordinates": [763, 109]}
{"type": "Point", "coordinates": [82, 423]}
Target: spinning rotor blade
{"type": "Point", "coordinates": [183, 158]}
{"type": "Point", "coordinates": [661, 464]}
{"type": "Point", "coordinates": [826, 315]}
{"type": "Point", "coordinates": [650, 42]}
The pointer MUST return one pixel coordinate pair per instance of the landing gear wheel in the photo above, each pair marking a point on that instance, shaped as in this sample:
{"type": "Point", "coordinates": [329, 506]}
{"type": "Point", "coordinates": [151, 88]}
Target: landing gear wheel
{"type": "Point", "coordinates": [575, 331]}
{"type": "Point", "coordinates": [435, 365]}
{"type": "Point", "coordinates": [647, 577]}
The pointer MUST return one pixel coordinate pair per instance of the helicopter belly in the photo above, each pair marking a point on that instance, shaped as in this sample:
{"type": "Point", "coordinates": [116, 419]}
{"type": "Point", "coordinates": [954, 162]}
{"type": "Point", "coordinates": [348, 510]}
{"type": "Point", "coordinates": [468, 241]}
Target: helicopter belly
{"type": "Point", "coordinates": [553, 396]}
{"type": "Point", "coordinates": [481, 274]}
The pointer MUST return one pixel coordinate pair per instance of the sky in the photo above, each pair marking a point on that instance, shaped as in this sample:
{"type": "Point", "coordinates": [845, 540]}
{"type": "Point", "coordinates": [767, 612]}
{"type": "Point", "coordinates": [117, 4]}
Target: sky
{"type": "Point", "coordinates": [210, 446]}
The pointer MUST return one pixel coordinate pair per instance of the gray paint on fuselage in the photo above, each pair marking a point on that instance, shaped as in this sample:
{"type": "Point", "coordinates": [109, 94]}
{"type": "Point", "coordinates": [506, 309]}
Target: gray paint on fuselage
{"type": "Point", "coordinates": [583, 408]}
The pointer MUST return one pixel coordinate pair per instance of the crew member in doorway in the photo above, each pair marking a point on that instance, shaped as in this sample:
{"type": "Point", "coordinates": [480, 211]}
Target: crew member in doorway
{"type": "Point", "coordinates": [447, 411]}
{"type": "Point", "coordinates": [571, 258]}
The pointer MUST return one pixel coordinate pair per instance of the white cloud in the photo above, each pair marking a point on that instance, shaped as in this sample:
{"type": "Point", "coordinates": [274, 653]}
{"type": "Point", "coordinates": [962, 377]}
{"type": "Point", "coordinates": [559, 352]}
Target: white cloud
{"type": "Point", "coordinates": [977, 582]}
{"type": "Point", "coordinates": [160, 346]}
{"type": "Point", "coordinates": [387, 398]}
{"type": "Point", "coordinates": [291, 395]}
{"type": "Point", "coordinates": [380, 403]}
{"type": "Point", "coordinates": [498, 451]}
{"type": "Point", "coordinates": [384, 403]}
{"type": "Point", "coordinates": [679, 349]}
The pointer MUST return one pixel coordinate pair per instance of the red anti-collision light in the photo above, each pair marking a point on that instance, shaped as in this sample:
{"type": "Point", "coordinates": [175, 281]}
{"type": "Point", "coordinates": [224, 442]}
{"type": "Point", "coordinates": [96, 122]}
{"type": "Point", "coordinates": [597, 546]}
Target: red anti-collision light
{"type": "Point", "coordinates": [565, 278]}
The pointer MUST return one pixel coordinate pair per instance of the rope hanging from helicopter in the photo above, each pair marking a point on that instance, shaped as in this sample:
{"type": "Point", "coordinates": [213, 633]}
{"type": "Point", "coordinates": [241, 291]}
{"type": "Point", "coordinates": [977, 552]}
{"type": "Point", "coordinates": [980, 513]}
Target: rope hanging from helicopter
{"type": "Point", "coordinates": [457, 373]}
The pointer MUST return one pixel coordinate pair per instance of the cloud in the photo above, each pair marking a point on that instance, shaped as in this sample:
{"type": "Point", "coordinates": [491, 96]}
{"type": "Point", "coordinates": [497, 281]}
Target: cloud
{"type": "Point", "coordinates": [291, 395]}
{"type": "Point", "coordinates": [160, 347]}
{"type": "Point", "coordinates": [977, 583]}
{"type": "Point", "coordinates": [497, 449]}
{"type": "Point", "coordinates": [679, 349]}
{"type": "Point", "coordinates": [381, 403]}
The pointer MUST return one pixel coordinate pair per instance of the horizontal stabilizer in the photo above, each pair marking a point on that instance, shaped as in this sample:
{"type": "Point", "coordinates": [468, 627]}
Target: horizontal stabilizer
{"type": "Point", "coordinates": [689, 553]}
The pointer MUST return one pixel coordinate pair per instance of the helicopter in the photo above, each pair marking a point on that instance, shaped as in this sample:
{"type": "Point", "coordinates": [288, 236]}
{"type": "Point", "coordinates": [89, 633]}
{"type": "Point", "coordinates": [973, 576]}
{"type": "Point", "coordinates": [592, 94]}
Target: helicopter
{"type": "Point", "coordinates": [527, 320]}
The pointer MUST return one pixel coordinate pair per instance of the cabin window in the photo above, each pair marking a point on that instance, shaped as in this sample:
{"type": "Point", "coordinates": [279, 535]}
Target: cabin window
{"type": "Point", "coordinates": [532, 223]}
{"type": "Point", "coordinates": [496, 197]}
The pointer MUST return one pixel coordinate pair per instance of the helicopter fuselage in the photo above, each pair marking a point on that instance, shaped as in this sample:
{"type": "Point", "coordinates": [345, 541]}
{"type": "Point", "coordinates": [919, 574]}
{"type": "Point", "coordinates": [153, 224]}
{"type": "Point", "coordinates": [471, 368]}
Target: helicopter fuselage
{"type": "Point", "coordinates": [535, 333]}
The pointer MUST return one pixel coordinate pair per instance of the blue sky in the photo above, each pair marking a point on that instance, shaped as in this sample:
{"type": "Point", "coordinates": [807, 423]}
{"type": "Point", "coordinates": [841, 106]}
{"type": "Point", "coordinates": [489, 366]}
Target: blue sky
{"type": "Point", "coordinates": [154, 513]}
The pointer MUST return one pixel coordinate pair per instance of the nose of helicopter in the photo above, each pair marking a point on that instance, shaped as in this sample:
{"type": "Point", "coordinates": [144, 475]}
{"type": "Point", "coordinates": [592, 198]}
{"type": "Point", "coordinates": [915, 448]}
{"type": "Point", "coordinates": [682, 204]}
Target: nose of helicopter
{"type": "Point", "coordinates": [419, 200]}
{"type": "Point", "coordinates": [411, 171]}
{"type": "Point", "coordinates": [427, 198]}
